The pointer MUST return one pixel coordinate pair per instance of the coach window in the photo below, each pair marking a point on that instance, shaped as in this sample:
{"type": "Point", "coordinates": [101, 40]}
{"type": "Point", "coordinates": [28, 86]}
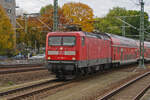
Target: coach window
{"type": "Point", "coordinates": [83, 41]}
{"type": "Point", "coordinates": [118, 50]}
{"type": "Point", "coordinates": [114, 50]}
{"type": "Point", "coordinates": [145, 50]}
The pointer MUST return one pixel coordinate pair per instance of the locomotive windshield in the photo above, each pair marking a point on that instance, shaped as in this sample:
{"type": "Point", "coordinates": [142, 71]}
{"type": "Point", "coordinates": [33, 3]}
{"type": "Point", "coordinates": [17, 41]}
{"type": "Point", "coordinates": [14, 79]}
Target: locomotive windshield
{"type": "Point", "coordinates": [62, 41]}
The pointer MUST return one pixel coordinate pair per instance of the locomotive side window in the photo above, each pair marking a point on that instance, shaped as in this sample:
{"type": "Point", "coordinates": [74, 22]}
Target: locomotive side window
{"type": "Point", "coordinates": [83, 41]}
{"type": "Point", "coordinates": [54, 41]}
{"type": "Point", "coordinates": [62, 41]}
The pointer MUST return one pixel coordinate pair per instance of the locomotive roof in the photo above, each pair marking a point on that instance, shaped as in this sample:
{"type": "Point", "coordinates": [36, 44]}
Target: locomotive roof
{"type": "Point", "coordinates": [122, 41]}
{"type": "Point", "coordinates": [97, 35]}
{"type": "Point", "coordinates": [78, 33]}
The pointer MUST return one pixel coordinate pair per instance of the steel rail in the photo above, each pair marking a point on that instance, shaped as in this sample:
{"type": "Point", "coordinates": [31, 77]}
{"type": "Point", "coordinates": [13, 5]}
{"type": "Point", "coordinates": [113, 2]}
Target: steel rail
{"type": "Point", "coordinates": [20, 70]}
{"type": "Point", "coordinates": [115, 91]}
{"type": "Point", "coordinates": [20, 65]}
{"type": "Point", "coordinates": [141, 94]}
{"type": "Point", "coordinates": [38, 91]}
{"type": "Point", "coordinates": [26, 87]}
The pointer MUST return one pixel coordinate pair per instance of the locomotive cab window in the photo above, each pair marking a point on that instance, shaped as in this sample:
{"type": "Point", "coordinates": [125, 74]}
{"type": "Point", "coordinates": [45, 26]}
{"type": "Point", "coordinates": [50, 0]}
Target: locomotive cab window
{"type": "Point", "coordinates": [54, 41]}
{"type": "Point", "coordinates": [62, 41]}
{"type": "Point", "coordinates": [68, 41]}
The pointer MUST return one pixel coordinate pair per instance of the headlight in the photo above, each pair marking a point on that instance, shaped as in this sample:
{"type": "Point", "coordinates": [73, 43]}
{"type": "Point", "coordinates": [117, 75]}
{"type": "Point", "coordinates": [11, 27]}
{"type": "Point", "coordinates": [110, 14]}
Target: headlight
{"type": "Point", "coordinates": [73, 58]}
{"type": "Point", "coordinates": [70, 53]}
{"type": "Point", "coordinates": [49, 58]}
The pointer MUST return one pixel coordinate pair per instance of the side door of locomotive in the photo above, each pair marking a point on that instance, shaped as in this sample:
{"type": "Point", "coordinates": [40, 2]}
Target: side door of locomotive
{"type": "Point", "coordinates": [84, 51]}
{"type": "Point", "coordinates": [87, 50]}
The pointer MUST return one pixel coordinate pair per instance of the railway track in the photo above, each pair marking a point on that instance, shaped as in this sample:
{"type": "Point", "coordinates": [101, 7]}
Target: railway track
{"type": "Point", "coordinates": [17, 69]}
{"type": "Point", "coordinates": [132, 90]}
{"type": "Point", "coordinates": [20, 70]}
{"type": "Point", "coordinates": [20, 65]}
{"type": "Point", "coordinates": [40, 88]}
{"type": "Point", "coordinates": [25, 92]}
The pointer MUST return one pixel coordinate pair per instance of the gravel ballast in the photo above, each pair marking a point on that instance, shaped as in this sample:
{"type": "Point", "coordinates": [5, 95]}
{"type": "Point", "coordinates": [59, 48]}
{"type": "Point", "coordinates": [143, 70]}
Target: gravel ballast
{"type": "Point", "coordinates": [20, 78]}
{"type": "Point", "coordinates": [86, 89]}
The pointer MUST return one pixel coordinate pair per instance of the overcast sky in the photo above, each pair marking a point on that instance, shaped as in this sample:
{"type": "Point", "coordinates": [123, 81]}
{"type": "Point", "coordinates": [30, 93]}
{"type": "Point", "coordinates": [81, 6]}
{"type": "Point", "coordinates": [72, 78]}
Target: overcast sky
{"type": "Point", "coordinates": [100, 7]}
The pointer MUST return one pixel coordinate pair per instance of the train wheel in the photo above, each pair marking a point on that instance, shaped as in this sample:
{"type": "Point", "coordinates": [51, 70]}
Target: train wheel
{"type": "Point", "coordinates": [82, 70]}
{"type": "Point", "coordinates": [118, 64]}
{"type": "Point", "coordinates": [89, 70]}
{"type": "Point", "coordinates": [101, 68]}
{"type": "Point", "coordinates": [86, 71]}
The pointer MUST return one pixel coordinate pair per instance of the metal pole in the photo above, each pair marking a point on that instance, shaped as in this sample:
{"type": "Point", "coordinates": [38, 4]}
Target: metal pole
{"type": "Point", "coordinates": [124, 27]}
{"type": "Point", "coordinates": [55, 18]}
{"type": "Point", "coordinates": [35, 46]}
{"type": "Point", "coordinates": [141, 61]}
{"type": "Point", "coordinates": [26, 24]}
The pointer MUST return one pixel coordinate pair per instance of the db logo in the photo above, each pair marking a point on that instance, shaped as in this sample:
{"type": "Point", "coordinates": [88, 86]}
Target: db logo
{"type": "Point", "coordinates": [60, 58]}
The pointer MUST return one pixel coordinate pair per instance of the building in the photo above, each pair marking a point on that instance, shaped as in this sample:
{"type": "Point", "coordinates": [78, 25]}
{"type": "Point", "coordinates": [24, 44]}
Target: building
{"type": "Point", "coordinates": [10, 8]}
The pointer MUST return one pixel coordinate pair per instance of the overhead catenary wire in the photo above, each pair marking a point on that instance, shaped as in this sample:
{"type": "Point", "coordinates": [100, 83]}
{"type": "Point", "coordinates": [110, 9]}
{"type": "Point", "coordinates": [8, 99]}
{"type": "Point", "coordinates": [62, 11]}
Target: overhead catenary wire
{"type": "Point", "coordinates": [131, 25]}
{"type": "Point", "coordinates": [135, 2]}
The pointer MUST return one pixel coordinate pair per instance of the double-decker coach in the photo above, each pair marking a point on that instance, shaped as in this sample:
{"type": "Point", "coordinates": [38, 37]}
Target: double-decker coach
{"type": "Point", "coordinates": [147, 51]}
{"type": "Point", "coordinates": [124, 50]}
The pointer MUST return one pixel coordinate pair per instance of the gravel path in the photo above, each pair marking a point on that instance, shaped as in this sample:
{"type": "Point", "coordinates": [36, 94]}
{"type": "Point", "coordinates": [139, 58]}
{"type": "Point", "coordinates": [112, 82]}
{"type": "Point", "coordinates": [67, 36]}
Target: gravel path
{"type": "Point", "coordinates": [86, 89]}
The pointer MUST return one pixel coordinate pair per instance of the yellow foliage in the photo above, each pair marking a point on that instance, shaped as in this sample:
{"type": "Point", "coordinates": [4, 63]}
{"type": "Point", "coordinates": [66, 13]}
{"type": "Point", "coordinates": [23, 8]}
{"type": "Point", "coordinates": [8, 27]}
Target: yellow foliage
{"type": "Point", "coordinates": [34, 28]}
{"type": "Point", "coordinates": [6, 32]}
{"type": "Point", "coordinates": [79, 14]}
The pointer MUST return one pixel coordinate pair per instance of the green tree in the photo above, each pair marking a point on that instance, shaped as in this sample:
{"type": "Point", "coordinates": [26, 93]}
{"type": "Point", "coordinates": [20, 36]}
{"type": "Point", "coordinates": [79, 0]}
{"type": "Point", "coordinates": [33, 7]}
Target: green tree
{"type": "Point", "coordinates": [111, 24]}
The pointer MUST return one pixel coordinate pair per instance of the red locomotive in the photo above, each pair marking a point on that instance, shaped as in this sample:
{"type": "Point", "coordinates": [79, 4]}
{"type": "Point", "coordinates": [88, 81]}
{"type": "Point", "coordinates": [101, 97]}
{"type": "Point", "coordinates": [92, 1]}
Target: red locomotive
{"type": "Point", "coordinates": [69, 54]}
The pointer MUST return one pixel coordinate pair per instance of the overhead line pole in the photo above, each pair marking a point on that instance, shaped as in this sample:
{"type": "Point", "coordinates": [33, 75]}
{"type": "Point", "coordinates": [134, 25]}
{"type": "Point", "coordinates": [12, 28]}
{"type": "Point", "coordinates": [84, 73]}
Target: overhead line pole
{"type": "Point", "coordinates": [55, 17]}
{"type": "Point", "coordinates": [26, 23]}
{"type": "Point", "coordinates": [124, 28]}
{"type": "Point", "coordinates": [141, 61]}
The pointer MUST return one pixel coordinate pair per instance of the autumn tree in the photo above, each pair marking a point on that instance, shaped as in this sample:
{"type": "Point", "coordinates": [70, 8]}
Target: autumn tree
{"type": "Point", "coordinates": [79, 14]}
{"type": "Point", "coordinates": [34, 37]}
{"type": "Point", "coordinates": [6, 33]}
{"type": "Point", "coordinates": [20, 32]}
{"type": "Point", "coordinates": [37, 27]}
{"type": "Point", "coordinates": [47, 17]}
